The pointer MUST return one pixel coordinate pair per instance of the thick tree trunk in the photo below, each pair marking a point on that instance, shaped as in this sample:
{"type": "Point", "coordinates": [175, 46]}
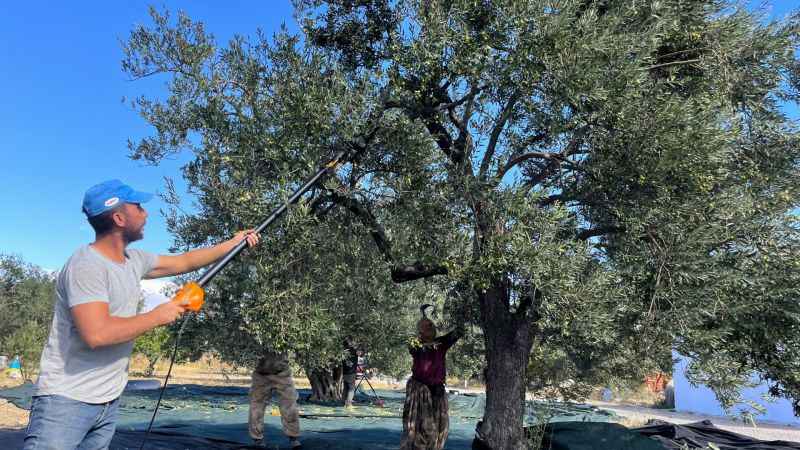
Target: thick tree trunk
{"type": "Point", "coordinates": [326, 384]}
{"type": "Point", "coordinates": [508, 338]}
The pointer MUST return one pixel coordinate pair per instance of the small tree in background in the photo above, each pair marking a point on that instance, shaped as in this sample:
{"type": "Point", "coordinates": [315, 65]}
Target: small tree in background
{"type": "Point", "coordinates": [154, 345]}
{"type": "Point", "coordinates": [26, 310]}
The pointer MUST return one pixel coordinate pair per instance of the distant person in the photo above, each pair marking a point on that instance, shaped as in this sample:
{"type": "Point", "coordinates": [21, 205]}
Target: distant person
{"type": "Point", "coordinates": [273, 374]}
{"type": "Point", "coordinates": [349, 366]}
{"type": "Point", "coordinates": [361, 363]}
{"type": "Point", "coordinates": [426, 422]}
{"type": "Point", "coordinates": [15, 368]}
{"type": "Point", "coordinates": [84, 365]}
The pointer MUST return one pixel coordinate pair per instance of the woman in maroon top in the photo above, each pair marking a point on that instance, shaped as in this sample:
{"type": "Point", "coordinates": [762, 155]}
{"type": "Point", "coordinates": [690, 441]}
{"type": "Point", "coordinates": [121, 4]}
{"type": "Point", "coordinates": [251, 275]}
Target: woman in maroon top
{"type": "Point", "coordinates": [425, 414]}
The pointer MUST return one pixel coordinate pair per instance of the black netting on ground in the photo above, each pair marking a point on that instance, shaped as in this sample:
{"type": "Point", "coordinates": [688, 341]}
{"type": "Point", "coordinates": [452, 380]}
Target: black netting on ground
{"type": "Point", "coordinates": [699, 435]}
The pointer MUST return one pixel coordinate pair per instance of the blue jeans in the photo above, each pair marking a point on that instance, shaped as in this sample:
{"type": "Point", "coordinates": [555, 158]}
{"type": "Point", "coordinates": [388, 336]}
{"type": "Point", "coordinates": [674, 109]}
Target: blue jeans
{"type": "Point", "coordinates": [60, 423]}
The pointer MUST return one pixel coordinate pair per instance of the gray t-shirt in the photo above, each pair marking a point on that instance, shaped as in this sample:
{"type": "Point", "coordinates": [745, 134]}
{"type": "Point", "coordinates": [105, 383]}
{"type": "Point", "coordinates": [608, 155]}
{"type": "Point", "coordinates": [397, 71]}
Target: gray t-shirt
{"type": "Point", "coordinates": [69, 367]}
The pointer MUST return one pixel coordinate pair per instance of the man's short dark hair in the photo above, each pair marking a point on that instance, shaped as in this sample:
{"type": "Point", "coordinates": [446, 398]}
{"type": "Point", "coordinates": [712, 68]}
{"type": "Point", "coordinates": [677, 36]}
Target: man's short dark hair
{"type": "Point", "coordinates": [103, 223]}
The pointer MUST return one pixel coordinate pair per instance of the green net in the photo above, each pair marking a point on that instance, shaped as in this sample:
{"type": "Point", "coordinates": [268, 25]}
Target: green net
{"type": "Point", "coordinates": [192, 414]}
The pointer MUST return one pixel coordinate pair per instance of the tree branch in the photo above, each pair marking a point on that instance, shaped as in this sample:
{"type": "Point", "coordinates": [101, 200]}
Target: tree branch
{"type": "Point", "coordinates": [463, 141]}
{"type": "Point", "coordinates": [443, 140]}
{"type": "Point", "coordinates": [530, 302]}
{"type": "Point", "coordinates": [468, 97]}
{"type": "Point", "coordinates": [553, 157]}
{"type": "Point", "coordinates": [544, 173]}
{"type": "Point", "coordinates": [673, 63]}
{"type": "Point", "coordinates": [461, 124]}
{"type": "Point", "coordinates": [505, 115]}
{"type": "Point", "coordinates": [587, 233]}
{"type": "Point", "coordinates": [524, 304]}
{"type": "Point", "coordinates": [369, 220]}
{"type": "Point", "coordinates": [573, 148]}
{"type": "Point", "coordinates": [435, 100]}
{"type": "Point", "coordinates": [400, 272]}
{"type": "Point", "coordinates": [403, 273]}
{"type": "Point", "coordinates": [547, 201]}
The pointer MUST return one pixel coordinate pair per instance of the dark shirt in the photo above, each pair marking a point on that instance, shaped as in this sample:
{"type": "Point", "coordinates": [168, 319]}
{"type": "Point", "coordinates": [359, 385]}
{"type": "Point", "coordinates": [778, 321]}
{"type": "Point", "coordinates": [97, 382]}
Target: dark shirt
{"type": "Point", "coordinates": [349, 364]}
{"type": "Point", "coordinates": [429, 360]}
{"type": "Point", "coordinates": [272, 363]}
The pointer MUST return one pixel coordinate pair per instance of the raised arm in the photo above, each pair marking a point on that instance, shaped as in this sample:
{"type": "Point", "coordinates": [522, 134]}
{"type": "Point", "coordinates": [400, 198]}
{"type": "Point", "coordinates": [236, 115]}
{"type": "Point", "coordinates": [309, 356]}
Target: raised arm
{"type": "Point", "coordinates": [452, 337]}
{"type": "Point", "coordinates": [168, 265]}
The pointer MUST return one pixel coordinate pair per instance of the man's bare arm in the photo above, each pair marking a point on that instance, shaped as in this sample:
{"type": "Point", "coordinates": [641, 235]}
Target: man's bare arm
{"type": "Point", "coordinates": [98, 328]}
{"type": "Point", "coordinates": [168, 265]}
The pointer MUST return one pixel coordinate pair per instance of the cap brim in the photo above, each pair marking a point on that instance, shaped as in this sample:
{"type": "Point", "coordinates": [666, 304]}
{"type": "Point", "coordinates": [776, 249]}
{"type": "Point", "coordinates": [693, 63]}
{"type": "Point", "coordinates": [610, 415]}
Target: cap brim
{"type": "Point", "coordinates": [139, 197]}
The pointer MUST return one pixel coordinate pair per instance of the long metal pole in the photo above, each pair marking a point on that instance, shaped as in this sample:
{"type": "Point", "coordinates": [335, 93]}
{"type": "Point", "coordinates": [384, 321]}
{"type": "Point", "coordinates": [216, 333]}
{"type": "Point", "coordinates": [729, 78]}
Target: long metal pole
{"type": "Point", "coordinates": [219, 265]}
{"type": "Point", "coordinates": [210, 273]}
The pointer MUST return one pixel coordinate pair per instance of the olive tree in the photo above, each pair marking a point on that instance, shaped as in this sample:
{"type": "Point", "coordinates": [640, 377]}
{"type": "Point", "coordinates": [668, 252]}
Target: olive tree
{"type": "Point", "coordinates": [603, 179]}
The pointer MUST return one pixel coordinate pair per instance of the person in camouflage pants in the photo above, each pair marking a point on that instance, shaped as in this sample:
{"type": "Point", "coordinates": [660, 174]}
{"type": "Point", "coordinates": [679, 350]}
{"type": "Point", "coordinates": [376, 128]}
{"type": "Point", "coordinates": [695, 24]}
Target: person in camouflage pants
{"type": "Point", "coordinates": [273, 374]}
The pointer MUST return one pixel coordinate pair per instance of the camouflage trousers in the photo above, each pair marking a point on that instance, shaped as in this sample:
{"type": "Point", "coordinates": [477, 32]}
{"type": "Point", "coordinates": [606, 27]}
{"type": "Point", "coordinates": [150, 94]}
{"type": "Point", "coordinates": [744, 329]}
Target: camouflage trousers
{"type": "Point", "coordinates": [261, 393]}
{"type": "Point", "coordinates": [425, 417]}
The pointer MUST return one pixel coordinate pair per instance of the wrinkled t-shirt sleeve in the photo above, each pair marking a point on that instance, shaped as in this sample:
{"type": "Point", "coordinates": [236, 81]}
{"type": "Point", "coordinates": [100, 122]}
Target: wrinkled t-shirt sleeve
{"type": "Point", "coordinates": [143, 262]}
{"type": "Point", "coordinates": [85, 283]}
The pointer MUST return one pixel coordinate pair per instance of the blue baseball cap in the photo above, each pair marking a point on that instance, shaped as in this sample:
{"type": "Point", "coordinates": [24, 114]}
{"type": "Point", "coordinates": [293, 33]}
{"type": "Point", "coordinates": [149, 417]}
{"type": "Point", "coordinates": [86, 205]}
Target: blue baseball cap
{"type": "Point", "coordinates": [110, 194]}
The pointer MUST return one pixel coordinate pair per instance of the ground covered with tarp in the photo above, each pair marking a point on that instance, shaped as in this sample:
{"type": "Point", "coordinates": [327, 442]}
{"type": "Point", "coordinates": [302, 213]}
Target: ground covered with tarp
{"type": "Point", "coordinates": [194, 416]}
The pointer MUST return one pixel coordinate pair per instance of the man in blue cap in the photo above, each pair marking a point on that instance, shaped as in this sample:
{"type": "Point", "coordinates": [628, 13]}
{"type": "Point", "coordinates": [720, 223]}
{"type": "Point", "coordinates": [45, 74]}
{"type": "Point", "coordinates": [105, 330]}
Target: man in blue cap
{"type": "Point", "coordinates": [84, 365]}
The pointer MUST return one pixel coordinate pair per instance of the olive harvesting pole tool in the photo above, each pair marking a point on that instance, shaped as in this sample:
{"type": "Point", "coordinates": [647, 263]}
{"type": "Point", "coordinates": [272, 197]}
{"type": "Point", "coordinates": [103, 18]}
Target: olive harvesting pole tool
{"type": "Point", "coordinates": [192, 296]}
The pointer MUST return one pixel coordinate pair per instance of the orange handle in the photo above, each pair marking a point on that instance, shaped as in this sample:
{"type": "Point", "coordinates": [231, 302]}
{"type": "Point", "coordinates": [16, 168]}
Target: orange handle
{"type": "Point", "coordinates": [191, 295]}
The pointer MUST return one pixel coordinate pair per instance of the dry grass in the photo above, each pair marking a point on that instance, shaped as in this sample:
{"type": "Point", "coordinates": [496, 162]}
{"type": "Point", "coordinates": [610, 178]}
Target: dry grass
{"type": "Point", "coordinates": [6, 382]}
{"type": "Point", "coordinates": [209, 371]}
{"type": "Point", "coordinates": [639, 396]}
{"type": "Point", "coordinates": [11, 416]}
{"type": "Point", "coordinates": [205, 366]}
{"type": "Point", "coordinates": [642, 396]}
{"type": "Point", "coordinates": [631, 422]}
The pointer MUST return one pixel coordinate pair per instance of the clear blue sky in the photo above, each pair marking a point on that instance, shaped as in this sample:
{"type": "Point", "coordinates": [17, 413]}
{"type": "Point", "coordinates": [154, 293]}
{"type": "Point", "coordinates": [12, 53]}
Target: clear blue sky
{"type": "Point", "coordinates": [63, 124]}
{"type": "Point", "coordinates": [62, 121]}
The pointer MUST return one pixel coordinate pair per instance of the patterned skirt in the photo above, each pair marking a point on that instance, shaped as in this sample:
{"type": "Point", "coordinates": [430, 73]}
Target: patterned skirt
{"type": "Point", "coordinates": [425, 417]}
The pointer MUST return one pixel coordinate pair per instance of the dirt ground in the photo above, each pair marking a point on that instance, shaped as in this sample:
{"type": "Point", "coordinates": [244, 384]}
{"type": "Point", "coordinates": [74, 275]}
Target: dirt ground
{"type": "Point", "coordinates": [11, 417]}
